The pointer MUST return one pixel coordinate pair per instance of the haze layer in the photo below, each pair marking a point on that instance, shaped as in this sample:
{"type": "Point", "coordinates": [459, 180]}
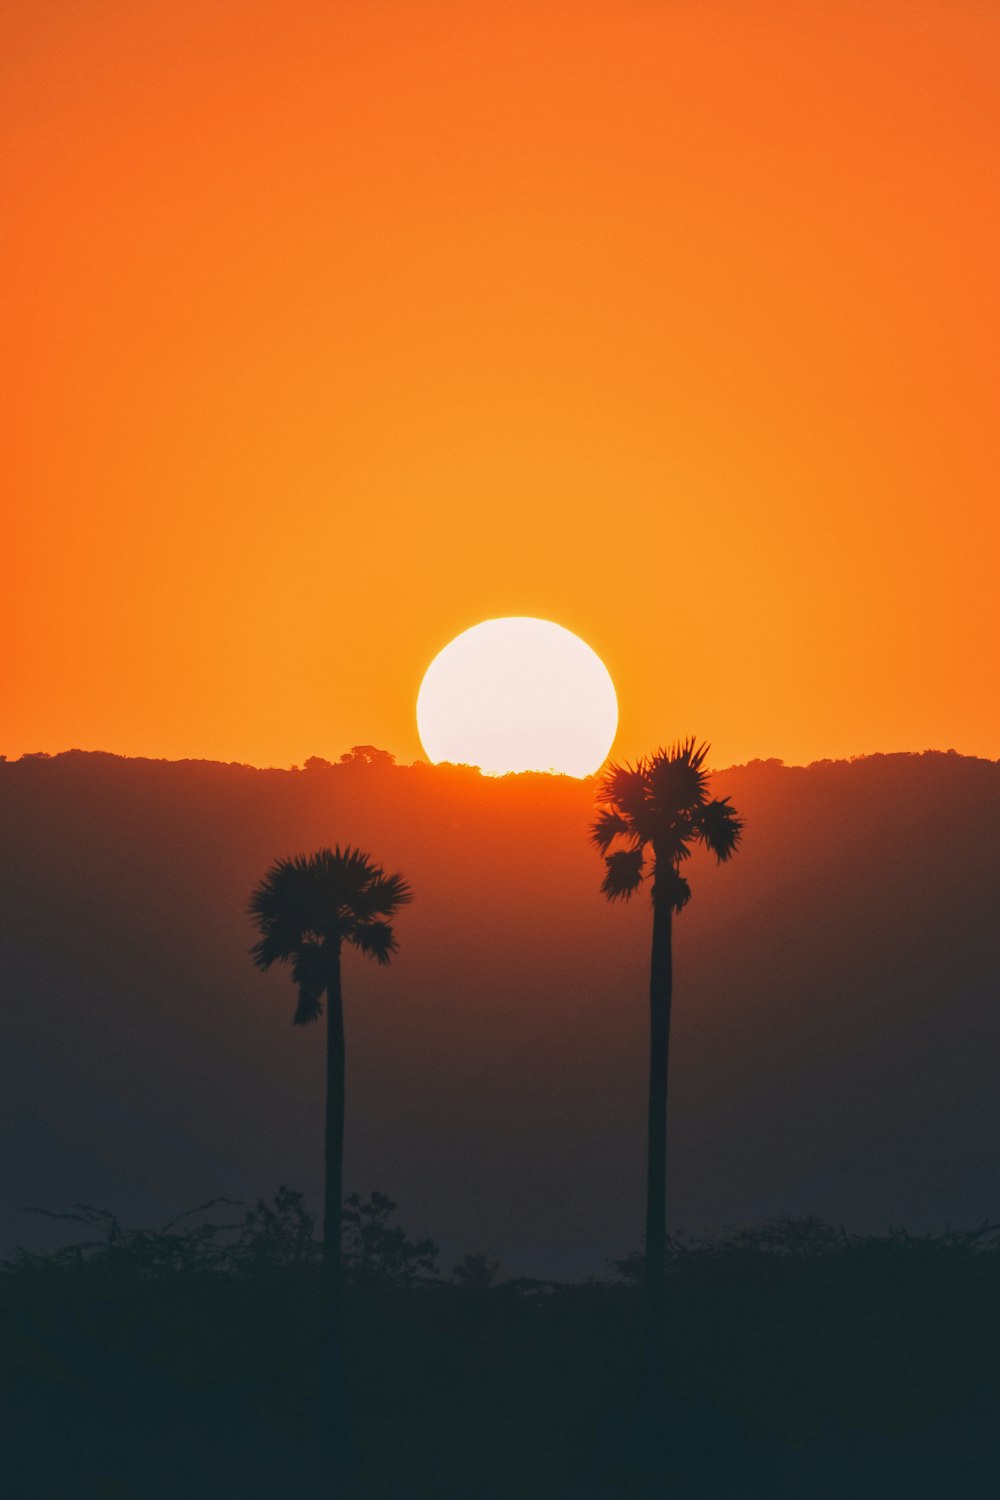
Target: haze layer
{"type": "Point", "coordinates": [835, 1019]}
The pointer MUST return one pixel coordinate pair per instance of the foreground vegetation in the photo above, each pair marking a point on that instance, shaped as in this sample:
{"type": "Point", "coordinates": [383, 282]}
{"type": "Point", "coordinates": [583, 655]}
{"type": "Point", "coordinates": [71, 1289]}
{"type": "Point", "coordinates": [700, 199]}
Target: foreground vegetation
{"type": "Point", "coordinates": [804, 1362]}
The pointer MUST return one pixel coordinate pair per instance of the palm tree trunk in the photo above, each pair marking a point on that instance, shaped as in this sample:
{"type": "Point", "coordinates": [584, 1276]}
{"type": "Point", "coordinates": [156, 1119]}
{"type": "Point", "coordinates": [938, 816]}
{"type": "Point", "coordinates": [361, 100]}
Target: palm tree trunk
{"type": "Point", "coordinates": [336, 1439]}
{"type": "Point", "coordinates": [332, 1207]}
{"type": "Point", "coordinates": [660, 995]}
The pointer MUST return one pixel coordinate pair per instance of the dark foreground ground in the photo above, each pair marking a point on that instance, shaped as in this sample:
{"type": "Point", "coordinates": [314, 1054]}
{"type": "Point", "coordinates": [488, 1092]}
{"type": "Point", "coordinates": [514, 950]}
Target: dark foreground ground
{"type": "Point", "coordinates": [803, 1363]}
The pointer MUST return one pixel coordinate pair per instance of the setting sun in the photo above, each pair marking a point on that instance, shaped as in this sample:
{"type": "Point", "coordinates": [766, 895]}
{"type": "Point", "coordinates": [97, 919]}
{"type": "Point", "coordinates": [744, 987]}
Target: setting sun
{"type": "Point", "coordinates": [518, 695]}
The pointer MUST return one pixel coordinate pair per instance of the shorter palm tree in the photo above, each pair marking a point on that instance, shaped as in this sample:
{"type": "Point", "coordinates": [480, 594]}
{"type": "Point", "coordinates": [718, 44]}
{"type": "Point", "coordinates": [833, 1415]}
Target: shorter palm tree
{"type": "Point", "coordinates": [659, 807]}
{"type": "Point", "coordinates": [306, 908]}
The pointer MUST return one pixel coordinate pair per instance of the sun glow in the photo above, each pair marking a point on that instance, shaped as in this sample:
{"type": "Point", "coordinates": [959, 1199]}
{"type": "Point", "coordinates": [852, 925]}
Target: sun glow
{"type": "Point", "coordinates": [518, 694]}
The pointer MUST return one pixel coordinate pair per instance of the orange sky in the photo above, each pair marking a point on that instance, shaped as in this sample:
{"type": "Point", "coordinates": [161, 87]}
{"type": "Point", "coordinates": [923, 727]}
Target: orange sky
{"type": "Point", "coordinates": [331, 329]}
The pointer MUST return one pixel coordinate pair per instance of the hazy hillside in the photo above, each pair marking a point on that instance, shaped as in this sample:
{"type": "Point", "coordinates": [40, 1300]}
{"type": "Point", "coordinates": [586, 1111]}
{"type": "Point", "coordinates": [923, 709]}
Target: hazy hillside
{"type": "Point", "coordinates": [837, 1026]}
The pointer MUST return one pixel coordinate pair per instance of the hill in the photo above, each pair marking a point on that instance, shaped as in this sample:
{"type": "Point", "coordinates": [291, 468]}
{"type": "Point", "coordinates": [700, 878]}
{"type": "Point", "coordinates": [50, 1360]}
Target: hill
{"type": "Point", "coordinates": [836, 1001]}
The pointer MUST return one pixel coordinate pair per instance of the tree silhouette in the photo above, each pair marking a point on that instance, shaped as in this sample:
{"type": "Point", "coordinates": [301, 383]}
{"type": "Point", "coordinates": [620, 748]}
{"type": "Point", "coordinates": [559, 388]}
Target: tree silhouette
{"type": "Point", "coordinates": [659, 808]}
{"type": "Point", "coordinates": [306, 908]}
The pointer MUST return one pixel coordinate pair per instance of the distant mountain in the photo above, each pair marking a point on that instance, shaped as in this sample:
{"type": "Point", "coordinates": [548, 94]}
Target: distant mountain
{"type": "Point", "coordinates": [837, 1026]}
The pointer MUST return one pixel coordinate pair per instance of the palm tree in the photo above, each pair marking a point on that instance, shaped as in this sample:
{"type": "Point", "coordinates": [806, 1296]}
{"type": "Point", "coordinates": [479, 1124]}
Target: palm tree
{"type": "Point", "coordinates": [655, 812]}
{"type": "Point", "coordinates": [306, 908]}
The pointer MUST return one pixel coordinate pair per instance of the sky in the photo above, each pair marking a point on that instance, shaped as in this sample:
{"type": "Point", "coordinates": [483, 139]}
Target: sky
{"type": "Point", "coordinates": [331, 330]}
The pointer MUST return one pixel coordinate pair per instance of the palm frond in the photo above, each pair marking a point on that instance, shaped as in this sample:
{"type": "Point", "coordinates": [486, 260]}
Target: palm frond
{"type": "Point", "coordinates": [284, 905]}
{"type": "Point", "coordinates": [309, 1009]}
{"type": "Point", "coordinates": [623, 875]}
{"type": "Point", "coordinates": [623, 788]}
{"type": "Point", "coordinates": [690, 751]}
{"type": "Point", "coordinates": [360, 888]}
{"type": "Point", "coordinates": [608, 826]}
{"type": "Point", "coordinates": [343, 877]}
{"type": "Point", "coordinates": [719, 828]}
{"type": "Point", "coordinates": [375, 940]}
{"type": "Point", "coordinates": [670, 886]}
{"type": "Point", "coordinates": [285, 880]}
{"type": "Point", "coordinates": [310, 967]}
{"type": "Point", "coordinates": [626, 791]}
{"type": "Point", "coordinates": [676, 778]}
{"type": "Point", "coordinates": [274, 947]}
{"type": "Point", "coordinates": [320, 895]}
{"type": "Point", "coordinates": [309, 972]}
{"type": "Point", "coordinates": [388, 893]}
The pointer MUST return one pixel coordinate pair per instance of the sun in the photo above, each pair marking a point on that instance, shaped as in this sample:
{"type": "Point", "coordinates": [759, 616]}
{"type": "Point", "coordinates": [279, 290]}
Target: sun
{"type": "Point", "coordinates": [518, 695]}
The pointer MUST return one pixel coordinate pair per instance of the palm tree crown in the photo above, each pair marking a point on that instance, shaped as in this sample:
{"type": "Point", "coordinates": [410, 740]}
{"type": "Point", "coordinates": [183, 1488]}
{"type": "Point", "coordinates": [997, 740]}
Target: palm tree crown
{"type": "Point", "coordinates": [660, 805]}
{"type": "Point", "coordinates": [306, 907]}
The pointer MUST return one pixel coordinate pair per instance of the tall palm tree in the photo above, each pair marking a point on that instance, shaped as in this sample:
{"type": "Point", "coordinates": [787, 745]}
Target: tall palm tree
{"type": "Point", "coordinates": [655, 812]}
{"type": "Point", "coordinates": [306, 908]}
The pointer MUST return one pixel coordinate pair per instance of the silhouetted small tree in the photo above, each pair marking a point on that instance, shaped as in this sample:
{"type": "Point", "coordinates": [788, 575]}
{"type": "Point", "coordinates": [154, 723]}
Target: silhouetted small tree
{"type": "Point", "coordinates": [652, 814]}
{"type": "Point", "coordinates": [475, 1272]}
{"type": "Point", "coordinates": [379, 1252]}
{"type": "Point", "coordinates": [279, 1233]}
{"type": "Point", "coordinates": [367, 755]}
